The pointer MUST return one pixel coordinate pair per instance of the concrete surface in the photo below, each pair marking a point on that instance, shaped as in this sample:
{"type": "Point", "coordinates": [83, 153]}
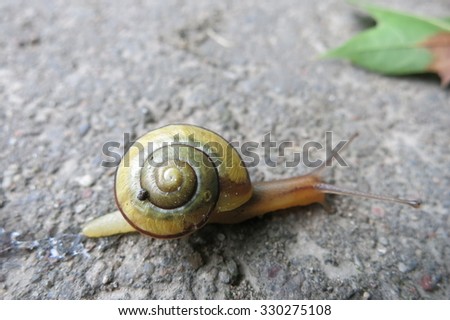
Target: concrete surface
{"type": "Point", "coordinates": [74, 75]}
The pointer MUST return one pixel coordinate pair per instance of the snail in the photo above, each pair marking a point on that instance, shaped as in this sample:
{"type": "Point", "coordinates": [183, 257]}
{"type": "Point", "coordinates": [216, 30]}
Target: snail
{"type": "Point", "coordinates": [175, 179]}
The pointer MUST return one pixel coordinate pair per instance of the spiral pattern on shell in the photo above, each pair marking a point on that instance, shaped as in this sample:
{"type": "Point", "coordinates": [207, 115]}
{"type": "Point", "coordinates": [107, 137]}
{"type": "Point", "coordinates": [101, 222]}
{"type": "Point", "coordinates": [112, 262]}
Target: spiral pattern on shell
{"type": "Point", "coordinates": [172, 179]}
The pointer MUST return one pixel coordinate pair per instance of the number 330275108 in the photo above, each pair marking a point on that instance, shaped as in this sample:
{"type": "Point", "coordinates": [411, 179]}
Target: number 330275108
{"type": "Point", "coordinates": [294, 309]}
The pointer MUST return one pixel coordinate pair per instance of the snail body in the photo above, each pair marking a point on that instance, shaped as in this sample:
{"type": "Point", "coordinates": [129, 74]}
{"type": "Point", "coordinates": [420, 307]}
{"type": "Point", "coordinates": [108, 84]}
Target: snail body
{"type": "Point", "coordinates": [174, 180]}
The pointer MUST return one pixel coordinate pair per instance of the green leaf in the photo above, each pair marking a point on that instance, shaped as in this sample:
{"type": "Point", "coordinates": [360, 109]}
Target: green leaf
{"type": "Point", "coordinates": [400, 44]}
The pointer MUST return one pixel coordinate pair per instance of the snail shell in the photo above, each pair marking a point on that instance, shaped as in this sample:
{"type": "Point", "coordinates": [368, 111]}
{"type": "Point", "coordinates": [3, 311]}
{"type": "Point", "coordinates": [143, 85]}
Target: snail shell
{"type": "Point", "coordinates": [172, 179]}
